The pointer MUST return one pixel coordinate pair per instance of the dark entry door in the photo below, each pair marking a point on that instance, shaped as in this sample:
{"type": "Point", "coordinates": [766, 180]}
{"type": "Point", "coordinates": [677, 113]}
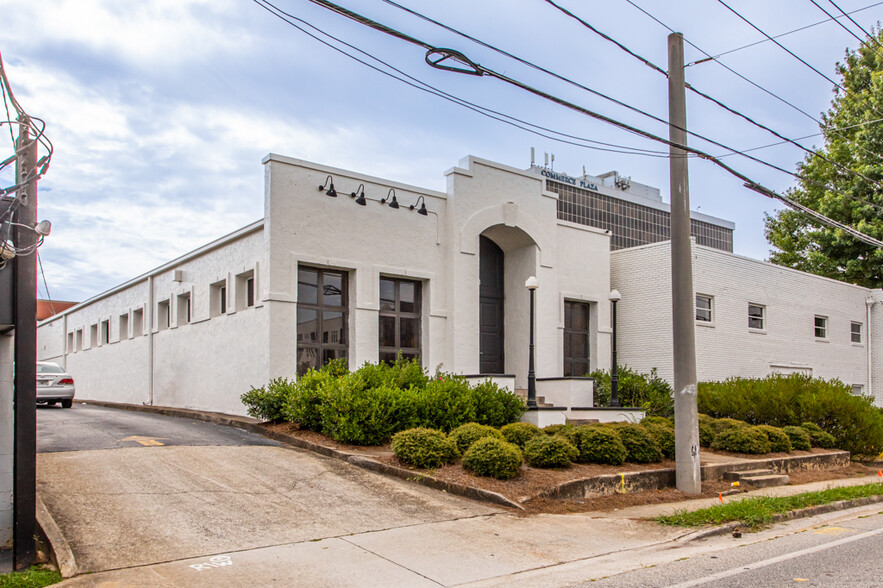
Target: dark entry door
{"type": "Point", "coordinates": [490, 307]}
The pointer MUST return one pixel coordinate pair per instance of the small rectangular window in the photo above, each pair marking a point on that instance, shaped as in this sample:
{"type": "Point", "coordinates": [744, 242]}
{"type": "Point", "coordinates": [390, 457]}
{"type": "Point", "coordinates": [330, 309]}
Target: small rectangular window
{"type": "Point", "coordinates": [183, 309]}
{"type": "Point", "coordinates": [137, 322]}
{"type": "Point", "coordinates": [162, 315]}
{"type": "Point", "coordinates": [703, 308]}
{"type": "Point", "coordinates": [821, 327]}
{"type": "Point", "coordinates": [79, 340]}
{"type": "Point", "coordinates": [856, 332]}
{"type": "Point", "coordinates": [249, 292]}
{"type": "Point", "coordinates": [756, 316]}
{"type": "Point", "coordinates": [105, 332]}
{"type": "Point", "coordinates": [858, 389]}
{"type": "Point", "coordinates": [124, 326]}
{"type": "Point", "coordinates": [70, 342]}
{"type": "Point", "coordinates": [93, 336]}
{"type": "Point", "coordinates": [245, 290]}
{"type": "Point", "coordinates": [218, 298]}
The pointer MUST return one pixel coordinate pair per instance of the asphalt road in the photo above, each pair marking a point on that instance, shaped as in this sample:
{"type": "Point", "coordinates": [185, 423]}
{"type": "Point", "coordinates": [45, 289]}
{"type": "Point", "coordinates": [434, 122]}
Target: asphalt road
{"type": "Point", "coordinates": [844, 553]}
{"type": "Point", "coordinates": [85, 427]}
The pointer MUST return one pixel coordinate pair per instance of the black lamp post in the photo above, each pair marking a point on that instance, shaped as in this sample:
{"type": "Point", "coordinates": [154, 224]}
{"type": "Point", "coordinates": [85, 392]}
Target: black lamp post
{"type": "Point", "coordinates": [614, 297]}
{"type": "Point", "coordinates": [531, 284]}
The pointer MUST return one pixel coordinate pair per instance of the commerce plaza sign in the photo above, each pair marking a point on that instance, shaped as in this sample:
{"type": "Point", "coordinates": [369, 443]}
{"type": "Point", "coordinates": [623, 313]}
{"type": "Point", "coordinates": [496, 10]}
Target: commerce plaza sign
{"type": "Point", "coordinates": [564, 178]}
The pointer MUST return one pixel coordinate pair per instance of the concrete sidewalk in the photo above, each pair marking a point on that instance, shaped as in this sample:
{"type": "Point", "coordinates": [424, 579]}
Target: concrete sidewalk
{"type": "Point", "coordinates": [490, 550]}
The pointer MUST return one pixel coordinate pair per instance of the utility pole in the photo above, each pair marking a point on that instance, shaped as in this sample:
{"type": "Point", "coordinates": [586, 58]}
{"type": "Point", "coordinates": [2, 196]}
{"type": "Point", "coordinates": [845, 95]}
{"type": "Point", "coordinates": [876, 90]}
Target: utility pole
{"type": "Point", "coordinates": [25, 382]}
{"type": "Point", "coordinates": [683, 313]}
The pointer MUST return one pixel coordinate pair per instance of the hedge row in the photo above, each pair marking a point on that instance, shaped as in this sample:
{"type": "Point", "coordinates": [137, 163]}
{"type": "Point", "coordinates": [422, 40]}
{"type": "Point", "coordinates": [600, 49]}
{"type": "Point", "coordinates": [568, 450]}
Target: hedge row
{"type": "Point", "coordinates": [369, 405]}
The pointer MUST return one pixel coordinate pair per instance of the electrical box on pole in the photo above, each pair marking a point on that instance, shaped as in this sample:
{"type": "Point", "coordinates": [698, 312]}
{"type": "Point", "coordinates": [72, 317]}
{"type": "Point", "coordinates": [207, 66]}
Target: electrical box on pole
{"type": "Point", "coordinates": [7, 308]}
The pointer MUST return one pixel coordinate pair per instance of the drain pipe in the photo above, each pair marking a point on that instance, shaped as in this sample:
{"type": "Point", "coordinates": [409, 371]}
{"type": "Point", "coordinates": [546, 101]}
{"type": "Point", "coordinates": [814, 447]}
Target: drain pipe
{"type": "Point", "coordinates": [149, 327]}
{"type": "Point", "coordinates": [869, 302]}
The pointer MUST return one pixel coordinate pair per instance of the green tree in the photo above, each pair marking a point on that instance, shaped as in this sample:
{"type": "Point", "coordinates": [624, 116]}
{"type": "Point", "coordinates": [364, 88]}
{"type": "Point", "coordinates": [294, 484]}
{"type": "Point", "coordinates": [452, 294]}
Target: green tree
{"type": "Point", "coordinates": [854, 140]}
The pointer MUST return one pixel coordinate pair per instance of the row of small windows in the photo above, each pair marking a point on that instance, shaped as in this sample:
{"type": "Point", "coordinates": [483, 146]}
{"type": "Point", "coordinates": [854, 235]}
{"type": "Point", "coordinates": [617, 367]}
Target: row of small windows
{"type": "Point", "coordinates": [99, 333]}
{"type": "Point", "coordinates": [757, 319]}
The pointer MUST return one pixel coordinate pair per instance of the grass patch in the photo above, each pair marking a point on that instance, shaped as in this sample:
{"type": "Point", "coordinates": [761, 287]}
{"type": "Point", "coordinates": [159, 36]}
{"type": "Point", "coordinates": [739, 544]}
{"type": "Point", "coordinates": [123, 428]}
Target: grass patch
{"type": "Point", "coordinates": [35, 577]}
{"type": "Point", "coordinates": [759, 510]}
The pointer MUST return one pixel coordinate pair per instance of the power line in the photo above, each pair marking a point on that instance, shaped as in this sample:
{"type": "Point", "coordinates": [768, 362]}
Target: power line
{"type": "Point", "coordinates": [842, 26]}
{"type": "Point", "coordinates": [436, 57]}
{"type": "Point", "coordinates": [852, 20]}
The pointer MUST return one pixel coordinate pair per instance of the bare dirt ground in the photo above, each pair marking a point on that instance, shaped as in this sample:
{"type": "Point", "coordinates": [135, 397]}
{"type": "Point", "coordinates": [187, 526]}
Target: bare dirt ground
{"type": "Point", "coordinates": [532, 482]}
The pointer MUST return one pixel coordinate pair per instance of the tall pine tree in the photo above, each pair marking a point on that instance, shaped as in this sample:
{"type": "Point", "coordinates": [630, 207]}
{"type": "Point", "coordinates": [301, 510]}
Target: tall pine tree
{"type": "Point", "coordinates": [853, 134]}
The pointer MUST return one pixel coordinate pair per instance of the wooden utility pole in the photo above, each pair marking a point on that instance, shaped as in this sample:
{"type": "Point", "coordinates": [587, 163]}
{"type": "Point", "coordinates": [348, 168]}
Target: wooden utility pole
{"type": "Point", "coordinates": [683, 312]}
{"type": "Point", "coordinates": [25, 382]}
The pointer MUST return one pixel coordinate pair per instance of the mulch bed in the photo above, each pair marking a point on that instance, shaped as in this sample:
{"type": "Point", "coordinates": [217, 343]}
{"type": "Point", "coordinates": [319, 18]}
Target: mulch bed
{"type": "Point", "coordinates": [533, 481]}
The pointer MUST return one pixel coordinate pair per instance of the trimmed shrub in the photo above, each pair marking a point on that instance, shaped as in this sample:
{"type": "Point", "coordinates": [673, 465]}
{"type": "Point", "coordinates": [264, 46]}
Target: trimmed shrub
{"type": "Point", "coordinates": [599, 445]}
{"type": "Point", "coordinates": [520, 433]}
{"type": "Point", "coordinates": [354, 414]}
{"type": "Point", "coordinates": [305, 400]}
{"type": "Point", "coordinates": [556, 429]}
{"type": "Point", "coordinates": [465, 435]}
{"type": "Point", "coordinates": [444, 404]}
{"type": "Point", "coordinates": [646, 391]}
{"type": "Point", "coordinates": [658, 420]}
{"type": "Point", "coordinates": [779, 440]}
{"type": "Point", "coordinates": [638, 442]}
{"type": "Point", "coordinates": [706, 435]}
{"type": "Point", "coordinates": [742, 440]}
{"type": "Point", "coordinates": [424, 448]}
{"type": "Point", "coordinates": [496, 406]}
{"type": "Point", "coordinates": [704, 419]}
{"type": "Point", "coordinates": [544, 451]}
{"type": "Point", "coordinates": [779, 400]}
{"type": "Point", "coordinates": [818, 437]}
{"type": "Point", "coordinates": [723, 424]}
{"type": "Point", "coordinates": [491, 456]}
{"type": "Point", "coordinates": [800, 438]}
{"type": "Point", "coordinates": [664, 436]}
{"type": "Point", "coordinates": [266, 403]}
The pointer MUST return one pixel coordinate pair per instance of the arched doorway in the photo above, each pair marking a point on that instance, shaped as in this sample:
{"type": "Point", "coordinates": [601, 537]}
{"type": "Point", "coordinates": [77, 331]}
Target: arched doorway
{"type": "Point", "coordinates": [491, 289]}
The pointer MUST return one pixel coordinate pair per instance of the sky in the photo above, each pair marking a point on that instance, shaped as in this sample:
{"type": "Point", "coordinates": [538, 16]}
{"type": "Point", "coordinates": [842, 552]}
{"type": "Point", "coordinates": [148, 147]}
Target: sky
{"type": "Point", "coordinates": [160, 111]}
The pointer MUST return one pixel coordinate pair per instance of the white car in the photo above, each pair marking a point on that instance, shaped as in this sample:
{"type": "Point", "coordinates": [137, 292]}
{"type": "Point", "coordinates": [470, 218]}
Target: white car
{"type": "Point", "coordinates": [54, 385]}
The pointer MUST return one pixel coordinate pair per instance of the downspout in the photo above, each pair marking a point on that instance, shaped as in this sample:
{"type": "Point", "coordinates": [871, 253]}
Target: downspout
{"type": "Point", "coordinates": [869, 302]}
{"type": "Point", "coordinates": [64, 344]}
{"type": "Point", "coordinates": [149, 340]}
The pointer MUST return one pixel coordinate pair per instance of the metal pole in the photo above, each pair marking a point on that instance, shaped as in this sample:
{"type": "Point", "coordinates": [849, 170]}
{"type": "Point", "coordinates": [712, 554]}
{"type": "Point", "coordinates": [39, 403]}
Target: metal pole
{"type": "Point", "coordinates": [614, 372]}
{"type": "Point", "coordinates": [683, 312]}
{"type": "Point", "coordinates": [25, 379]}
{"type": "Point", "coordinates": [531, 374]}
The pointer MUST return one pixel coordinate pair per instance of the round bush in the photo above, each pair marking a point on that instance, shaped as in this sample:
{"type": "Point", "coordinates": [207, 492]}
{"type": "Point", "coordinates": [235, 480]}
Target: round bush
{"type": "Point", "coordinates": [818, 437]}
{"type": "Point", "coordinates": [658, 420]}
{"type": "Point", "coordinates": [639, 443]}
{"type": "Point", "coordinates": [724, 424]}
{"type": "Point", "coordinates": [556, 429]}
{"type": "Point", "coordinates": [799, 436]}
{"type": "Point", "coordinates": [491, 456]}
{"type": "Point", "coordinates": [465, 435]}
{"type": "Point", "coordinates": [599, 445]}
{"type": "Point", "coordinates": [664, 436]}
{"type": "Point", "coordinates": [779, 440]}
{"type": "Point", "coordinates": [706, 434]}
{"type": "Point", "coordinates": [544, 451]}
{"type": "Point", "coordinates": [704, 419]}
{"type": "Point", "coordinates": [742, 440]}
{"type": "Point", "coordinates": [424, 448]}
{"type": "Point", "coordinates": [520, 433]}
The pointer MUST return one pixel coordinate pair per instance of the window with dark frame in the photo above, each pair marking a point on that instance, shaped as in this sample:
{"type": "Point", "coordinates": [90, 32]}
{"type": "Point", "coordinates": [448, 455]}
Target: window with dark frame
{"type": "Point", "coordinates": [576, 338]}
{"type": "Point", "coordinates": [703, 308]}
{"type": "Point", "coordinates": [856, 332]}
{"type": "Point", "coordinates": [400, 319]}
{"type": "Point", "coordinates": [321, 317]}
{"type": "Point", "coordinates": [821, 327]}
{"type": "Point", "coordinates": [756, 318]}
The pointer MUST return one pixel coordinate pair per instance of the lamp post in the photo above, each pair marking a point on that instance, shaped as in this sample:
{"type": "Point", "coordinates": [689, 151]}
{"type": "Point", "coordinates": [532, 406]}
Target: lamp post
{"type": "Point", "coordinates": [531, 284]}
{"type": "Point", "coordinates": [614, 297]}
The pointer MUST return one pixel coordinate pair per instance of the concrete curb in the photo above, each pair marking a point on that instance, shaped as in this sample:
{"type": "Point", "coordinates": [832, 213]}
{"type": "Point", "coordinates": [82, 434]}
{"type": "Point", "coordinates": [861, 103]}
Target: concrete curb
{"type": "Point", "coordinates": [802, 513]}
{"type": "Point", "coordinates": [64, 557]}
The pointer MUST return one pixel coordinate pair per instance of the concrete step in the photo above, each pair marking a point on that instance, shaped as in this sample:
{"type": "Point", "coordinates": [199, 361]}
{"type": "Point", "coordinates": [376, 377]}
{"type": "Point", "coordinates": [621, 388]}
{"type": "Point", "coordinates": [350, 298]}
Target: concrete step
{"type": "Point", "coordinates": [765, 481]}
{"type": "Point", "coordinates": [733, 476]}
{"type": "Point", "coordinates": [577, 422]}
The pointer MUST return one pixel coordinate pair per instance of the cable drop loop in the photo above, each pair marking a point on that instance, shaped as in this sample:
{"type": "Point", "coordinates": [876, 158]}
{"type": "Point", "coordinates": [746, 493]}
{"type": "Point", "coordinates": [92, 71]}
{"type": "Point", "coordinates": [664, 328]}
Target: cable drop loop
{"type": "Point", "coordinates": [443, 54]}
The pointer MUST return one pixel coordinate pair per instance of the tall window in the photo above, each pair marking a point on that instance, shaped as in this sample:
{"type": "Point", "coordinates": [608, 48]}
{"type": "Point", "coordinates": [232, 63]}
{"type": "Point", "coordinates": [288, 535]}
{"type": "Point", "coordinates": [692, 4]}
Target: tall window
{"type": "Point", "coordinates": [162, 315]}
{"type": "Point", "coordinates": [856, 332]}
{"type": "Point", "coordinates": [821, 327]}
{"type": "Point", "coordinates": [184, 309]}
{"type": "Point", "coordinates": [756, 316]}
{"type": "Point", "coordinates": [399, 319]}
{"type": "Point", "coordinates": [703, 308]}
{"type": "Point", "coordinates": [576, 338]}
{"type": "Point", "coordinates": [321, 317]}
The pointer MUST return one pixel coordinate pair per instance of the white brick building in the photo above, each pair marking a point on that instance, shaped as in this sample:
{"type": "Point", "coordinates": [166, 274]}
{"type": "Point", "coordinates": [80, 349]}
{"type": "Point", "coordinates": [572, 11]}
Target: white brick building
{"type": "Point", "coordinates": [356, 276]}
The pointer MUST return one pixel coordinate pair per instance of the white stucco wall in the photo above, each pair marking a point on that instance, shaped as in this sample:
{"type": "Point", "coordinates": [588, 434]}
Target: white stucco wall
{"type": "Point", "coordinates": [7, 354]}
{"type": "Point", "coordinates": [727, 347]}
{"type": "Point", "coordinates": [204, 364]}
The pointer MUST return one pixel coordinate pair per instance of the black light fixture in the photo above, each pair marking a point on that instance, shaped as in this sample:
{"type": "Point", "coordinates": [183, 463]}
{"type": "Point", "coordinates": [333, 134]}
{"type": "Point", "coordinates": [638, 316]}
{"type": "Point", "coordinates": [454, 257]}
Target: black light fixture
{"type": "Point", "coordinates": [614, 297]}
{"type": "Point", "coordinates": [361, 199]}
{"type": "Point", "coordinates": [422, 210]}
{"type": "Point", "coordinates": [531, 284]}
{"type": "Point", "coordinates": [330, 183]}
{"type": "Point", "coordinates": [393, 203]}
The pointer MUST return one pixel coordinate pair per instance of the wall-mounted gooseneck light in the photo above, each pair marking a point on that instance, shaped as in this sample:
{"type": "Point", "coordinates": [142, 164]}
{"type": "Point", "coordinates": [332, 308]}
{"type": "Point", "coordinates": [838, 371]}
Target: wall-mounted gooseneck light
{"type": "Point", "coordinates": [360, 200]}
{"type": "Point", "coordinates": [391, 202]}
{"type": "Point", "coordinates": [422, 210]}
{"type": "Point", "coordinates": [329, 182]}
